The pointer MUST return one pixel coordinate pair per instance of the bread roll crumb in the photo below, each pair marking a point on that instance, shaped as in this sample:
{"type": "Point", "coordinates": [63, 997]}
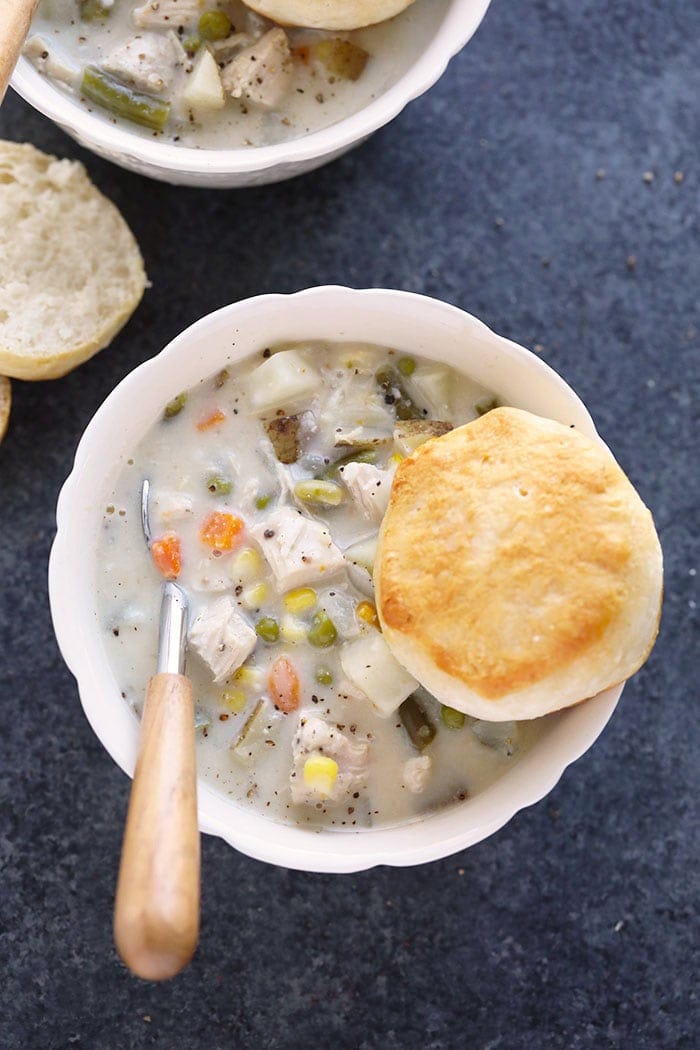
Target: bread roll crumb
{"type": "Point", "coordinates": [71, 273]}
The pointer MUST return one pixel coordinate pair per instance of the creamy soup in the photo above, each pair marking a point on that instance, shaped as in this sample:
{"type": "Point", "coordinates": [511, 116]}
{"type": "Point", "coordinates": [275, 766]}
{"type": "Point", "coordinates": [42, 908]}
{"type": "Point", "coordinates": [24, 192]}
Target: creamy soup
{"type": "Point", "coordinates": [212, 73]}
{"type": "Point", "coordinates": [268, 485]}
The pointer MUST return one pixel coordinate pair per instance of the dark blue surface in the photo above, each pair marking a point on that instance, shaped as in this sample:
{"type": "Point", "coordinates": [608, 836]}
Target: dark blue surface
{"type": "Point", "coordinates": [516, 190]}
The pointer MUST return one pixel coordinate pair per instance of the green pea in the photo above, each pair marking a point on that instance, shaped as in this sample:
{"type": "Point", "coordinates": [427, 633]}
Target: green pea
{"type": "Point", "coordinates": [452, 719]}
{"type": "Point", "coordinates": [262, 501]}
{"type": "Point", "coordinates": [324, 676]}
{"type": "Point", "coordinates": [214, 25]}
{"type": "Point", "coordinates": [174, 407]}
{"type": "Point", "coordinates": [406, 366]}
{"type": "Point", "coordinates": [192, 44]}
{"type": "Point", "coordinates": [218, 485]}
{"type": "Point", "coordinates": [268, 629]}
{"type": "Point", "coordinates": [322, 632]}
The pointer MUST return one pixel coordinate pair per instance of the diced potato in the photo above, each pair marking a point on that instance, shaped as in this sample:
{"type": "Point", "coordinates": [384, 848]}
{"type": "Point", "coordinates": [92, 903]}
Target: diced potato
{"type": "Point", "coordinates": [370, 665]}
{"type": "Point", "coordinates": [363, 552]}
{"type": "Point", "coordinates": [410, 433]}
{"type": "Point", "coordinates": [282, 382]}
{"type": "Point", "coordinates": [431, 386]}
{"type": "Point", "coordinates": [341, 58]}
{"type": "Point", "coordinates": [203, 89]}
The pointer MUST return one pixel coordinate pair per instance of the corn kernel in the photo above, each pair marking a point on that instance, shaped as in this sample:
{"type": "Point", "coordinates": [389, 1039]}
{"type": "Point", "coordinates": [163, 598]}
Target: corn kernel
{"type": "Point", "coordinates": [300, 600]}
{"type": "Point", "coordinates": [253, 597]}
{"type": "Point", "coordinates": [292, 630]}
{"type": "Point", "coordinates": [246, 565]}
{"type": "Point", "coordinates": [249, 677]}
{"type": "Point", "coordinates": [234, 699]}
{"type": "Point", "coordinates": [320, 774]}
{"type": "Point", "coordinates": [367, 612]}
{"type": "Point", "coordinates": [397, 457]}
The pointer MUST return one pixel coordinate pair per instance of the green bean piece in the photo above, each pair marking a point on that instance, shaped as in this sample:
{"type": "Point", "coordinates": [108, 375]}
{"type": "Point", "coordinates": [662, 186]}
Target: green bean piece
{"type": "Point", "coordinates": [262, 501]}
{"type": "Point", "coordinates": [123, 101]}
{"type": "Point", "coordinates": [362, 455]}
{"type": "Point", "coordinates": [487, 405]}
{"type": "Point", "coordinates": [324, 676]}
{"type": "Point", "coordinates": [175, 407]}
{"type": "Point", "coordinates": [319, 492]}
{"type": "Point", "coordinates": [416, 723]}
{"type": "Point", "coordinates": [322, 632]}
{"type": "Point", "coordinates": [406, 366]}
{"type": "Point", "coordinates": [395, 394]}
{"type": "Point", "coordinates": [453, 719]}
{"type": "Point", "coordinates": [268, 629]}
{"type": "Point", "coordinates": [214, 25]}
{"type": "Point", "coordinates": [218, 485]}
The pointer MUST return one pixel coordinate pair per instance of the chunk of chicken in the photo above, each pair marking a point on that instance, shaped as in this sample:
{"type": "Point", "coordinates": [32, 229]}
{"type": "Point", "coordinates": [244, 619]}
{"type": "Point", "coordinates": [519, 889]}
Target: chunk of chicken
{"type": "Point", "coordinates": [263, 72]}
{"type": "Point", "coordinates": [369, 487]}
{"type": "Point", "coordinates": [297, 549]}
{"type": "Point", "coordinates": [222, 638]}
{"type": "Point", "coordinates": [47, 61]}
{"type": "Point", "coordinates": [416, 772]}
{"type": "Point", "coordinates": [159, 14]}
{"type": "Point", "coordinates": [147, 62]}
{"type": "Point", "coordinates": [315, 737]}
{"type": "Point", "coordinates": [171, 506]}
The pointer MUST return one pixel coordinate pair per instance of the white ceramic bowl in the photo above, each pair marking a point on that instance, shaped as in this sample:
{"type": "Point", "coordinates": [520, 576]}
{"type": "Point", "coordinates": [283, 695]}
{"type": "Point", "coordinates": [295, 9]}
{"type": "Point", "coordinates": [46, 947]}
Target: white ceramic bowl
{"type": "Point", "coordinates": [415, 325]}
{"type": "Point", "coordinates": [456, 24]}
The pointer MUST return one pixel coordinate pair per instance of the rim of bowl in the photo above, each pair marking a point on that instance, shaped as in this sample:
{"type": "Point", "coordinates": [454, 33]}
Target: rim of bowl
{"type": "Point", "coordinates": [432, 837]}
{"type": "Point", "coordinates": [461, 21]}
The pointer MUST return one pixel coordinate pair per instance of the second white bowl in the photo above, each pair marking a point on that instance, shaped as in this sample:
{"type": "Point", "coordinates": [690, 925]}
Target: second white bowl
{"type": "Point", "coordinates": [455, 22]}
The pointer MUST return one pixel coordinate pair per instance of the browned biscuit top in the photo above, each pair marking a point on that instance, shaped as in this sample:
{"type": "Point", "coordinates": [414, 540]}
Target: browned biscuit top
{"type": "Point", "coordinates": [509, 548]}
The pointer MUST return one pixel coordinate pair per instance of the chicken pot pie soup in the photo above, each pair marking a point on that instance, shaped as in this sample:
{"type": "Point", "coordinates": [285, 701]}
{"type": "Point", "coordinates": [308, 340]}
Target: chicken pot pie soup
{"type": "Point", "coordinates": [269, 482]}
{"type": "Point", "coordinates": [216, 73]}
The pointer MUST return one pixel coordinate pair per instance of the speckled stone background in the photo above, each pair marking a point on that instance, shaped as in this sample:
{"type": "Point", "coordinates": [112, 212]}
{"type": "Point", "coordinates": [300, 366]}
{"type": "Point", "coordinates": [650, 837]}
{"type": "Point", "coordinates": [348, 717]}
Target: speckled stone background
{"type": "Point", "coordinates": [515, 189]}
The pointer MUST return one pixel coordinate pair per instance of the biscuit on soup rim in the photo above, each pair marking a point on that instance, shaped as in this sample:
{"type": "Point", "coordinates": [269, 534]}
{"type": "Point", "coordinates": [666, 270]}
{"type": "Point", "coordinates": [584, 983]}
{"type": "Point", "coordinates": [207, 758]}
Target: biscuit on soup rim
{"type": "Point", "coordinates": [518, 571]}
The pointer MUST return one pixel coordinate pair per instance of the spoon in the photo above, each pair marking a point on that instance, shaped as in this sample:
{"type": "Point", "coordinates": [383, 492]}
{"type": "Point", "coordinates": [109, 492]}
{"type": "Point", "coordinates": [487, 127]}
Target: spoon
{"type": "Point", "coordinates": [15, 19]}
{"type": "Point", "coordinates": [156, 913]}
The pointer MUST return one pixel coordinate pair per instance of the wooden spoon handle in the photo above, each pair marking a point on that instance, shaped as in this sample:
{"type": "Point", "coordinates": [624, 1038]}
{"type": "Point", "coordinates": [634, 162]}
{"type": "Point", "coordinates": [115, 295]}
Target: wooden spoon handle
{"type": "Point", "coordinates": [156, 915]}
{"type": "Point", "coordinates": [15, 18]}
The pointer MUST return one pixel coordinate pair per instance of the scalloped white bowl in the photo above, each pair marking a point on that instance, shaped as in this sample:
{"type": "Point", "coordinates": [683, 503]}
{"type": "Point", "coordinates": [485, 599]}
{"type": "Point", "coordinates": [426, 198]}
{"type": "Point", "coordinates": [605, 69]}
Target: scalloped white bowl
{"type": "Point", "coordinates": [414, 324]}
{"type": "Point", "coordinates": [259, 165]}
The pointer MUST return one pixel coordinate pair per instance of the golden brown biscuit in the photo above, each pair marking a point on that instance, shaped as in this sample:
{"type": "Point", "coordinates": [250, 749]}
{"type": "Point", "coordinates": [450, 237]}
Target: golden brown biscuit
{"type": "Point", "coordinates": [518, 571]}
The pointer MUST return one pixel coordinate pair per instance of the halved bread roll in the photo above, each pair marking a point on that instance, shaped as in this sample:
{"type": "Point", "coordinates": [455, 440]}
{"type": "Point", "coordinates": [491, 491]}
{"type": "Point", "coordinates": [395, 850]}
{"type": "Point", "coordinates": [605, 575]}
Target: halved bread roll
{"type": "Point", "coordinates": [5, 403]}
{"type": "Point", "coordinates": [518, 571]}
{"type": "Point", "coordinates": [71, 273]}
{"type": "Point", "coordinates": [328, 14]}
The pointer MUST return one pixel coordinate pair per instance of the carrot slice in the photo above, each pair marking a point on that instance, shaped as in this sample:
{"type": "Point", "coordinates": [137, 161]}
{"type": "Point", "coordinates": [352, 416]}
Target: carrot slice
{"type": "Point", "coordinates": [283, 683]}
{"type": "Point", "coordinates": [221, 531]}
{"type": "Point", "coordinates": [212, 420]}
{"type": "Point", "coordinates": [166, 555]}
